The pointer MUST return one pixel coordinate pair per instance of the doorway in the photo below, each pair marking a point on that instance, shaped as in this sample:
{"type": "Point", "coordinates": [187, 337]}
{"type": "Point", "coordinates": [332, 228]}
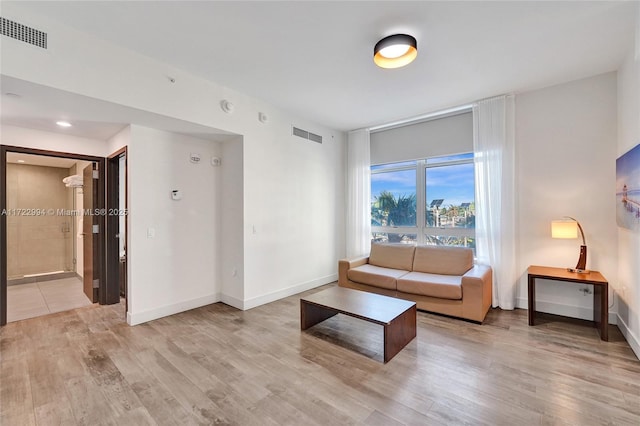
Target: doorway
{"type": "Point", "coordinates": [116, 234]}
{"type": "Point", "coordinates": [52, 225]}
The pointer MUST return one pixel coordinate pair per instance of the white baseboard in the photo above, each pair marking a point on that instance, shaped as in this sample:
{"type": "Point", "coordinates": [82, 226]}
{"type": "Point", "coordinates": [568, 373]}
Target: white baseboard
{"type": "Point", "coordinates": [175, 308]}
{"type": "Point", "coordinates": [565, 310]}
{"type": "Point", "coordinates": [152, 314]}
{"type": "Point", "coordinates": [232, 301]}
{"type": "Point", "coordinates": [286, 292]}
{"type": "Point", "coordinates": [633, 340]}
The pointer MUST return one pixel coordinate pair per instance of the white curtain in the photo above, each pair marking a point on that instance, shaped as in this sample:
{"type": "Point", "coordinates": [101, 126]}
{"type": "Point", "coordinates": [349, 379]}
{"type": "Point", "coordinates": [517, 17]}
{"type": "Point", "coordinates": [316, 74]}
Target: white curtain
{"type": "Point", "coordinates": [493, 145]}
{"type": "Point", "coordinates": [358, 194]}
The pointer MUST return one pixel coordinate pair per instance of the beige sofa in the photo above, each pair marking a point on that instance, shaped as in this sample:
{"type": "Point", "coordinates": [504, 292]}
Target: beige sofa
{"type": "Point", "coordinates": [439, 279]}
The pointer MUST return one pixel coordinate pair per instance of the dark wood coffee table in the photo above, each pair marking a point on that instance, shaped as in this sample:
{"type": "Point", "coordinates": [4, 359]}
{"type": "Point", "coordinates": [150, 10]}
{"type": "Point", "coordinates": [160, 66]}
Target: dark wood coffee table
{"type": "Point", "coordinates": [397, 316]}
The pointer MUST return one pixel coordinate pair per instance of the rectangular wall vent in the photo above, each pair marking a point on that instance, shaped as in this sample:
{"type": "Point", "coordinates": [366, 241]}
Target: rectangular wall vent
{"type": "Point", "coordinates": [302, 133]}
{"type": "Point", "coordinates": [315, 138]}
{"type": "Point", "coordinates": [306, 135]}
{"type": "Point", "coordinates": [23, 33]}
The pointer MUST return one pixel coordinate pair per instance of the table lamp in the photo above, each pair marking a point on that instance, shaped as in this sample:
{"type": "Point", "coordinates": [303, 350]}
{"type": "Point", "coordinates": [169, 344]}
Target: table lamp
{"type": "Point", "coordinates": [568, 228]}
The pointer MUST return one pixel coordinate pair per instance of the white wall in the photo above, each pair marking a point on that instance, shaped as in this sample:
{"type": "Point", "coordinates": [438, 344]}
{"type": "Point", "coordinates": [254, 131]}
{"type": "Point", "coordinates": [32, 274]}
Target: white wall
{"type": "Point", "coordinates": [628, 290]}
{"type": "Point", "coordinates": [232, 224]}
{"type": "Point", "coordinates": [566, 152]}
{"type": "Point", "coordinates": [119, 140]}
{"type": "Point", "coordinates": [178, 267]}
{"type": "Point", "coordinates": [293, 190]}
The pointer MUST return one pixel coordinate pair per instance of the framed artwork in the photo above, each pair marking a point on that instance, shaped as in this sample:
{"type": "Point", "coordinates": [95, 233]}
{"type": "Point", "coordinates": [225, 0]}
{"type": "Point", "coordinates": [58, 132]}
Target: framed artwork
{"type": "Point", "coordinates": [628, 189]}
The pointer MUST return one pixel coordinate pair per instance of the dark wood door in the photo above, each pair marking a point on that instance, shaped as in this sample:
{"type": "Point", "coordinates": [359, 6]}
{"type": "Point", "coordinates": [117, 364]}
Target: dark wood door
{"type": "Point", "coordinates": [116, 229]}
{"type": "Point", "coordinates": [90, 241]}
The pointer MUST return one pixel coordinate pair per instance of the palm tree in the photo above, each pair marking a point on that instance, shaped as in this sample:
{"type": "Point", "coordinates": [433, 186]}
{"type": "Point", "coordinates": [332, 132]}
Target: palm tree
{"type": "Point", "coordinates": [404, 213]}
{"type": "Point", "coordinates": [388, 210]}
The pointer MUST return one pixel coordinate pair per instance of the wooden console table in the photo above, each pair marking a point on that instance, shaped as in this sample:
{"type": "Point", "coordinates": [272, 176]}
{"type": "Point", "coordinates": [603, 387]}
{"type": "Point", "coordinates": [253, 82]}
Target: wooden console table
{"type": "Point", "coordinates": [594, 278]}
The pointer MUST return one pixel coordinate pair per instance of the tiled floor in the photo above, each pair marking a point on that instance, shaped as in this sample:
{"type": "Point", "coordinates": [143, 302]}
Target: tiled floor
{"type": "Point", "coordinates": [33, 300]}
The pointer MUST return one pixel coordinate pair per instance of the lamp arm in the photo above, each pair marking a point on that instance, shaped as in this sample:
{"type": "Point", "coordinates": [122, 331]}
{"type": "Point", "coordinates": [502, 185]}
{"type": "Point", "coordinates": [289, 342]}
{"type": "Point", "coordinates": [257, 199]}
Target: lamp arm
{"type": "Point", "coordinates": [584, 242]}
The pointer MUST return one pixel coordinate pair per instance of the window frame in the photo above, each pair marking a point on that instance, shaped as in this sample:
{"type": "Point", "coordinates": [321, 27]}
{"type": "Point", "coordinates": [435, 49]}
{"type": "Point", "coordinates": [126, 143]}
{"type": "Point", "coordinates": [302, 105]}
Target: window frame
{"type": "Point", "coordinates": [421, 229]}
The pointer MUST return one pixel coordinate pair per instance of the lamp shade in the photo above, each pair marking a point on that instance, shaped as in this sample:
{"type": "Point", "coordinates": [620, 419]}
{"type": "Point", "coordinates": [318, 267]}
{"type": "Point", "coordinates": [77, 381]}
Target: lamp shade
{"type": "Point", "coordinates": [569, 229]}
{"type": "Point", "coordinates": [564, 229]}
{"type": "Point", "coordinates": [395, 51]}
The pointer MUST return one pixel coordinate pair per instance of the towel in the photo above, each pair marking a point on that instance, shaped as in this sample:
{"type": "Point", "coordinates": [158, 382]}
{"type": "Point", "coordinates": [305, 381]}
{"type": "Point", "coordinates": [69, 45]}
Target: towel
{"type": "Point", "coordinates": [73, 181]}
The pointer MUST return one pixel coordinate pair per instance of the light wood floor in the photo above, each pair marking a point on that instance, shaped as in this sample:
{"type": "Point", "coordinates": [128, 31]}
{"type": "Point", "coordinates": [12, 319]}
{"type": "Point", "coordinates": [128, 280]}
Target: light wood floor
{"type": "Point", "coordinates": [218, 365]}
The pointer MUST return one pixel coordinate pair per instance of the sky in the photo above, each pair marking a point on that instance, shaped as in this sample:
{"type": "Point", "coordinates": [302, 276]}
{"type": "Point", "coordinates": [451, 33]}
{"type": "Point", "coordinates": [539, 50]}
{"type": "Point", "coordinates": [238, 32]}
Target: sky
{"type": "Point", "coordinates": [453, 183]}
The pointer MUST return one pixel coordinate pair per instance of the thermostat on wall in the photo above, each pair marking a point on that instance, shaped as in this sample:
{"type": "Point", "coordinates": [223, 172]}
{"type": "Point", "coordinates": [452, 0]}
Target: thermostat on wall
{"type": "Point", "coordinates": [194, 158]}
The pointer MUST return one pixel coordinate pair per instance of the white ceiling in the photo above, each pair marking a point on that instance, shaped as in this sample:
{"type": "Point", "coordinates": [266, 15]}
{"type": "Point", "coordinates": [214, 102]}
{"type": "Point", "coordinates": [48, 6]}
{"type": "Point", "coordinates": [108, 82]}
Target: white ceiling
{"type": "Point", "coordinates": [315, 58]}
{"type": "Point", "coordinates": [39, 107]}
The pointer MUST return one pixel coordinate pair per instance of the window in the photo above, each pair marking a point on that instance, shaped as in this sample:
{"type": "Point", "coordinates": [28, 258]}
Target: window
{"type": "Point", "coordinates": [450, 201]}
{"type": "Point", "coordinates": [394, 202]}
{"type": "Point", "coordinates": [429, 201]}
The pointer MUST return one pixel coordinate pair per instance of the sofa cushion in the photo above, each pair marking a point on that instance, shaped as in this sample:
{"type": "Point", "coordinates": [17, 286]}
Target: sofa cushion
{"type": "Point", "coordinates": [434, 285]}
{"type": "Point", "coordinates": [375, 276]}
{"type": "Point", "coordinates": [443, 260]}
{"type": "Point", "coordinates": [394, 256]}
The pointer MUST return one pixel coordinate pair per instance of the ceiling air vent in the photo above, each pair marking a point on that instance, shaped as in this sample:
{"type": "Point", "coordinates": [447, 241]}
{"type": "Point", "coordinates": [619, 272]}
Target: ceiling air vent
{"type": "Point", "coordinates": [306, 135]}
{"type": "Point", "coordinates": [21, 32]}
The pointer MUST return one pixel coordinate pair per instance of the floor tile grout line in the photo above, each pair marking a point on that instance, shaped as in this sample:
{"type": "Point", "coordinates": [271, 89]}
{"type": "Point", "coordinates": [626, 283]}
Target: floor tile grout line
{"type": "Point", "coordinates": [43, 297]}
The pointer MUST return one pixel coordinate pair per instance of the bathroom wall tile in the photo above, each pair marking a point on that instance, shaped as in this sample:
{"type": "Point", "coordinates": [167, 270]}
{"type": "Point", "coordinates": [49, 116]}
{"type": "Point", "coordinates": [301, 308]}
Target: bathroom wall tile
{"type": "Point", "coordinates": [13, 270]}
{"type": "Point", "coordinates": [12, 186]}
{"type": "Point", "coordinates": [37, 256]}
{"type": "Point", "coordinates": [12, 248]}
{"type": "Point", "coordinates": [41, 245]}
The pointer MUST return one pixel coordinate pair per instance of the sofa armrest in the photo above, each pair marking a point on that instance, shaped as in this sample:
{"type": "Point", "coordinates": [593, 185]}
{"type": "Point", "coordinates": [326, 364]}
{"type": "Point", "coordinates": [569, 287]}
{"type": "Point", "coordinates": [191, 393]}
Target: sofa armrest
{"type": "Point", "coordinates": [345, 264]}
{"type": "Point", "coordinates": [478, 272]}
{"type": "Point", "coordinates": [477, 285]}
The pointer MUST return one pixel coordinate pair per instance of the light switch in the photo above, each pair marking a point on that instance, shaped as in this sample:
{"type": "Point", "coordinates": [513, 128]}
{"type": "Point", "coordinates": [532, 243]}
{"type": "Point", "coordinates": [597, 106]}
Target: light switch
{"type": "Point", "coordinates": [151, 232]}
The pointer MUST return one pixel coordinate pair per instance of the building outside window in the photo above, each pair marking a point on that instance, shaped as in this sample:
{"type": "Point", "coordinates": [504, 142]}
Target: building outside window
{"type": "Point", "coordinates": [427, 201]}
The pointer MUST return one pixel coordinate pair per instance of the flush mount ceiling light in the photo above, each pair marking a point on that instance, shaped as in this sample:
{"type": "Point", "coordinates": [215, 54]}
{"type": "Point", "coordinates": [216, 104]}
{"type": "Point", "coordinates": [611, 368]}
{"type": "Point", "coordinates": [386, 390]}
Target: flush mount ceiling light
{"type": "Point", "coordinates": [395, 51]}
{"type": "Point", "coordinates": [63, 123]}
